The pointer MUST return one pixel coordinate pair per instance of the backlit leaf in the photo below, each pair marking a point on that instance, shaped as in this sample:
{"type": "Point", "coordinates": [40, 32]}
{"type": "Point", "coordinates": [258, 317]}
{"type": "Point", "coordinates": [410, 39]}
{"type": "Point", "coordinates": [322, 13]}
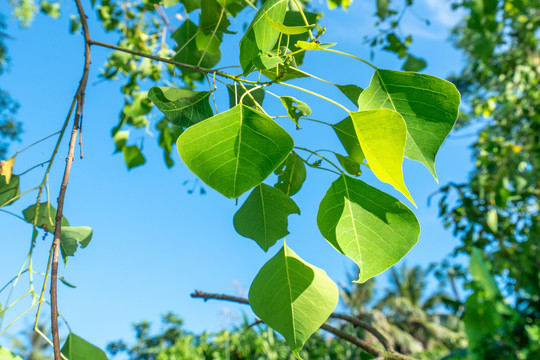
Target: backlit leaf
{"type": "Point", "coordinates": [428, 105]}
{"type": "Point", "coordinates": [260, 36]}
{"type": "Point", "coordinates": [73, 236]}
{"type": "Point", "coordinates": [352, 92]}
{"type": "Point", "coordinates": [9, 191]}
{"type": "Point", "coordinates": [313, 45]}
{"type": "Point", "coordinates": [133, 156]}
{"type": "Point", "coordinates": [347, 135]}
{"type": "Point", "coordinates": [369, 226]}
{"type": "Point", "coordinates": [293, 297]}
{"type": "Point", "coordinates": [235, 150]}
{"type": "Point", "coordinates": [382, 134]}
{"type": "Point", "coordinates": [6, 168]}
{"type": "Point", "coordinates": [263, 216]}
{"type": "Point", "coordinates": [76, 348]}
{"type": "Point", "coordinates": [182, 107]}
{"type": "Point", "coordinates": [5, 354]}
{"type": "Point", "coordinates": [349, 165]}
{"type": "Point", "coordinates": [291, 174]}
{"type": "Point", "coordinates": [414, 64]}
{"type": "Point", "coordinates": [46, 217]}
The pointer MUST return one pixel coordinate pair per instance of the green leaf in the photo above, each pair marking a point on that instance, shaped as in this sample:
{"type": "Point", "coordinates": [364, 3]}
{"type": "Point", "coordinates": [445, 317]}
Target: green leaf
{"type": "Point", "coordinates": [293, 297]}
{"type": "Point", "coordinates": [295, 108]}
{"type": "Point", "coordinates": [263, 216]}
{"type": "Point", "coordinates": [352, 92]}
{"type": "Point", "coordinates": [191, 5]}
{"type": "Point", "coordinates": [382, 134]}
{"type": "Point", "coordinates": [5, 354]}
{"type": "Point", "coordinates": [209, 42]}
{"type": "Point", "coordinates": [369, 226]}
{"type": "Point", "coordinates": [382, 8]}
{"type": "Point", "coordinates": [236, 91]}
{"type": "Point", "coordinates": [181, 106]}
{"type": "Point", "coordinates": [120, 139]}
{"type": "Point", "coordinates": [267, 61]}
{"type": "Point", "coordinates": [213, 15]}
{"type": "Point", "coordinates": [50, 9]}
{"type": "Point", "coordinates": [313, 45]}
{"type": "Point", "coordinates": [133, 156]}
{"type": "Point", "coordinates": [73, 236]}
{"type": "Point", "coordinates": [168, 134]}
{"type": "Point", "coordinates": [414, 64]}
{"type": "Point", "coordinates": [347, 135]}
{"type": "Point", "coordinates": [260, 36]}
{"type": "Point", "coordinates": [429, 106]}
{"type": "Point", "coordinates": [294, 18]}
{"type": "Point", "coordinates": [9, 191]}
{"type": "Point", "coordinates": [349, 165]}
{"type": "Point", "coordinates": [479, 269]}
{"type": "Point", "coordinates": [74, 24]}
{"type": "Point", "coordinates": [493, 220]}
{"type": "Point", "coordinates": [233, 7]}
{"type": "Point", "coordinates": [282, 72]}
{"type": "Point", "coordinates": [46, 218]}
{"type": "Point", "coordinates": [76, 348]}
{"type": "Point", "coordinates": [289, 30]}
{"type": "Point", "coordinates": [291, 174]}
{"type": "Point", "coordinates": [188, 53]}
{"type": "Point", "coordinates": [235, 150]}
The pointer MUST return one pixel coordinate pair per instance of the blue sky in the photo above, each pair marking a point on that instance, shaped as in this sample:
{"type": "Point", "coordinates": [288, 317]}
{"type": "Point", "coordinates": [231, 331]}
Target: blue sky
{"type": "Point", "coordinates": [153, 242]}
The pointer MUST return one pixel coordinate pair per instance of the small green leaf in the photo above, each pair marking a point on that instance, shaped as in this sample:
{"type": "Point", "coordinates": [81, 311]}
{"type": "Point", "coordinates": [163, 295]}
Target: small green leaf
{"type": "Point", "coordinates": [260, 36]}
{"type": "Point", "coordinates": [267, 61]}
{"type": "Point", "coordinates": [352, 92]}
{"type": "Point", "coordinates": [168, 134]}
{"type": "Point", "coordinates": [120, 138]}
{"type": "Point", "coordinates": [213, 15]}
{"type": "Point", "coordinates": [233, 7]}
{"type": "Point", "coordinates": [289, 30]}
{"type": "Point", "coordinates": [5, 354]}
{"type": "Point", "coordinates": [191, 5]}
{"type": "Point", "coordinates": [263, 216]}
{"type": "Point", "coordinates": [76, 348]}
{"type": "Point", "coordinates": [382, 134]}
{"type": "Point", "coordinates": [73, 236]}
{"type": "Point", "coordinates": [293, 297]}
{"type": "Point", "coordinates": [46, 217]}
{"type": "Point", "coordinates": [50, 9]}
{"type": "Point", "coordinates": [382, 8]}
{"type": "Point", "coordinates": [9, 191]}
{"type": "Point", "coordinates": [349, 165]}
{"type": "Point", "coordinates": [369, 226]}
{"type": "Point", "coordinates": [295, 108]}
{"type": "Point", "coordinates": [133, 156]}
{"type": "Point", "coordinates": [291, 174]}
{"type": "Point", "coordinates": [428, 105]}
{"type": "Point", "coordinates": [209, 41]}
{"type": "Point", "coordinates": [347, 135]}
{"type": "Point", "coordinates": [74, 24]}
{"type": "Point", "coordinates": [236, 91]}
{"type": "Point", "coordinates": [313, 45]}
{"type": "Point", "coordinates": [414, 64]}
{"type": "Point", "coordinates": [181, 106]}
{"type": "Point", "coordinates": [493, 220]}
{"type": "Point", "coordinates": [234, 151]}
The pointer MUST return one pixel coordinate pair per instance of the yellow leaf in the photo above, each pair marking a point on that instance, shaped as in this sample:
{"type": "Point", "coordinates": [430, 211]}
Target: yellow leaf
{"type": "Point", "coordinates": [382, 134]}
{"type": "Point", "coordinates": [6, 168]}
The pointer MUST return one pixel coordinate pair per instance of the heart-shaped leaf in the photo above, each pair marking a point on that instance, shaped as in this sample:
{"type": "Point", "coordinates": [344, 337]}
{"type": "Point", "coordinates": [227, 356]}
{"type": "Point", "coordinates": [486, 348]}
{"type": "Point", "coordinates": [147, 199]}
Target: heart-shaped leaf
{"type": "Point", "coordinates": [73, 236]}
{"type": "Point", "coordinates": [293, 297]}
{"type": "Point", "coordinates": [182, 107]}
{"type": "Point", "coordinates": [263, 216]}
{"type": "Point", "coordinates": [382, 134]}
{"type": "Point", "coordinates": [369, 226]}
{"type": "Point", "coordinates": [428, 105]}
{"type": "Point", "coordinates": [235, 150]}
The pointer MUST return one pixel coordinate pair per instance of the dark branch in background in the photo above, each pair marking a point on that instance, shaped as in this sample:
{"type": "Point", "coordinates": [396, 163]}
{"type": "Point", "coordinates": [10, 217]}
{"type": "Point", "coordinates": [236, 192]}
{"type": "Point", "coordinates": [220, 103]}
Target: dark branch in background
{"type": "Point", "coordinates": [79, 98]}
{"type": "Point", "coordinates": [390, 353]}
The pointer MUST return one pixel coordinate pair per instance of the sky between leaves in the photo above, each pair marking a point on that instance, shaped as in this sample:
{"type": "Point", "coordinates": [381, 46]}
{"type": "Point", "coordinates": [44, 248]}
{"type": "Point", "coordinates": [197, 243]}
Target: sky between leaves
{"type": "Point", "coordinates": [154, 243]}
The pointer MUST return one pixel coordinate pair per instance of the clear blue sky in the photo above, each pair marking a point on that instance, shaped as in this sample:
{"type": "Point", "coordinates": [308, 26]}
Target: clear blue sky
{"type": "Point", "coordinates": [154, 243]}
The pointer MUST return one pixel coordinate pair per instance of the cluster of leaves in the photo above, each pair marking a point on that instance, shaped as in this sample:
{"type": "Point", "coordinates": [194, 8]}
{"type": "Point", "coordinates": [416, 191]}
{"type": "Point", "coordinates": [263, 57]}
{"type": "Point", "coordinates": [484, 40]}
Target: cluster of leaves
{"type": "Point", "coordinates": [399, 115]}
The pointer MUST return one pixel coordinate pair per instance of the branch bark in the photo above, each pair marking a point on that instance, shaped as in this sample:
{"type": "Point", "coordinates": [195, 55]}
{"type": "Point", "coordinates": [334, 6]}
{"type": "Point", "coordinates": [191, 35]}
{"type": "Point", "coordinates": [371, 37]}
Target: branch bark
{"type": "Point", "coordinates": [79, 98]}
{"type": "Point", "coordinates": [390, 353]}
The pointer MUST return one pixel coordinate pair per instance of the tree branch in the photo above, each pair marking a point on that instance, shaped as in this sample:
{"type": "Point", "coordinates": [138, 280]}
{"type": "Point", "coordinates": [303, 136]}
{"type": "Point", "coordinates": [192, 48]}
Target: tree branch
{"type": "Point", "coordinates": [389, 354]}
{"type": "Point", "coordinates": [79, 98]}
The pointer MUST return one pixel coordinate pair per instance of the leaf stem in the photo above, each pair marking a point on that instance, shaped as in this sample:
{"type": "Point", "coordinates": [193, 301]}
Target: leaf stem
{"type": "Point", "coordinates": [37, 142]}
{"type": "Point", "coordinates": [322, 157]}
{"type": "Point", "coordinates": [304, 17]}
{"type": "Point", "coordinates": [314, 94]}
{"type": "Point", "coordinates": [352, 56]}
